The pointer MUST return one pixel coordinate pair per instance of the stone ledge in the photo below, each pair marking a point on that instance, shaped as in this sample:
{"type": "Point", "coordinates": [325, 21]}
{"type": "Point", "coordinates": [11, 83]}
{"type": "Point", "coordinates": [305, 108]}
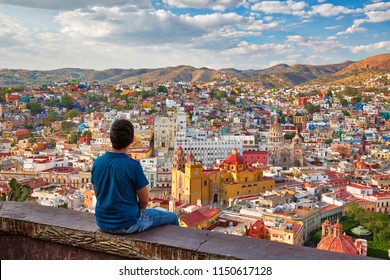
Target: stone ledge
{"type": "Point", "coordinates": [77, 229]}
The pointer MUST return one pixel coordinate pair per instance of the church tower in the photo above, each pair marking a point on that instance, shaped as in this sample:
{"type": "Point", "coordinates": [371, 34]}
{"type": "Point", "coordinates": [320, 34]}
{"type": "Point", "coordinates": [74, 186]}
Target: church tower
{"type": "Point", "coordinates": [296, 146]}
{"type": "Point", "coordinates": [178, 159]}
{"type": "Point", "coordinates": [178, 165]}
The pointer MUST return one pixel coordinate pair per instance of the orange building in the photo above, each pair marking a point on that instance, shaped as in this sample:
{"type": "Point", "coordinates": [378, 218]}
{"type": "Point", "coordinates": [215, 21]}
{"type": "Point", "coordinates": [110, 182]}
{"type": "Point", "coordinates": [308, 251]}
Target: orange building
{"type": "Point", "coordinates": [343, 149]}
{"type": "Point", "coordinates": [88, 197]}
{"type": "Point", "coordinates": [11, 97]}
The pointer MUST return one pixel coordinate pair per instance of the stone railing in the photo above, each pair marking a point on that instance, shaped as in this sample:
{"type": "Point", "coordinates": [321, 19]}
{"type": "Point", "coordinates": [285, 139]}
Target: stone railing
{"type": "Point", "coordinates": [30, 231]}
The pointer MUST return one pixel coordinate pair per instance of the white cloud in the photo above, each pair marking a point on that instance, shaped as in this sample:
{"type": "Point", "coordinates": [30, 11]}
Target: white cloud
{"type": "Point", "coordinates": [75, 4]}
{"type": "Point", "coordinates": [378, 6]}
{"type": "Point", "coordinates": [14, 35]}
{"type": "Point", "coordinates": [378, 12]}
{"type": "Point", "coordinates": [132, 26]}
{"type": "Point", "coordinates": [314, 43]}
{"type": "Point", "coordinates": [385, 46]}
{"type": "Point", "coordinates": [328, 10]}
{"type": "Point", "coordinates": [281, 7]}
{"type": "Point", "coordinates": [245, 48]}
{"type": "Point", "coordinates": [216, 5]}
{"type": "Point", "coordinates": [332, 27]}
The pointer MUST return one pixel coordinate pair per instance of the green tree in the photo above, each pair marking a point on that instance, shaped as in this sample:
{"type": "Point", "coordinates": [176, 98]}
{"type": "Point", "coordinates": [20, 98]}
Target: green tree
{"type": "Point", "coordinates": [71, 114]}
{"type": "Point", "coordinates": [35, 107]}
{"type": "Point", "coordinates": [344, 102]}
{"type": "Point", "coordinates": [53, 143]}
{"type": "Point", "coordinates": [328, 141]}
{"type": "Point", "coordinates": [53, 102]}
{"type": "Point", "coordinates": [68, 125]}
{"type": "Point", "coordinates": [310, 108]}
{"type": "Point", "coordinates": [67, 101]}
{"type": "Point", "coordinates": [18, 192]}
{"type": "Point", "coordinates": [231, 100]}
{"type": "Point", "coordinates": [74, 136]}
{"type": "Point", "coordinates": [162, 89]}
{"type": "Point", "coordinates": [355, 100]}
{"type": "Point", "coordinates": [87, 133]}
{"type": "Point", "coordinates": [346, 113]}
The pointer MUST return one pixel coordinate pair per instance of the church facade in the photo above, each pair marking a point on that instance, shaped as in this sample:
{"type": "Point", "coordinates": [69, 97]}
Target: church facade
{"type": "Point", "coordinates": [281, 153]}
{"type": "Point", "coordinates": [233, 177]}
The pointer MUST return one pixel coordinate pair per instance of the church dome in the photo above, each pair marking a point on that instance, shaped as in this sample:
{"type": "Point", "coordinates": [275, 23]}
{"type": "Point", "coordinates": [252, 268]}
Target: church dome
{"type": "Point", "coordinates": [335, 241]}
{"type": "Point", "coordinates": [360, 165]}
{"type": "Point", "coordinates": [341, 244]}
{"type": "Point", "coordinates": [275, 133]}
{"type": "Point", "coordinates": [234, 158]}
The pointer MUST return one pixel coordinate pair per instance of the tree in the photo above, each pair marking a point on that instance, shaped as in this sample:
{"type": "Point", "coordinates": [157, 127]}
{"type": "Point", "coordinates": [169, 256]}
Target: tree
{"type": "Point", "coordinates": [74, 136]}
{"type": "Point", "coordinates": [350, 91]}
{"type": "Point", "coordinates": [328, 141]}
{"type": "Point", "coordinates": [51, 115]}
{"type": "Point", "coordinates": [35, 107]}
{"type": "Point", "coordinates": [53, 102]}
{"type": "Point", "coordinates": [346, 114]}
{"type": "Point", "coordinates": [71, 114]}
{"type": "Point", "coordinates": [344, 102]}
{"type": "Point", "coordinates": [67, 101]}
{"type": "Point", "coordinates": [310, 108]}
{"type": "Point", "coordinates": [355, 100]}
{"type": "Point", "coordinates": [231, 100]}
{"type": "Point", "coordinates": [53, 143]}
{"type": "Point", "coordinates": [67, 125]}
{"type": "Point", "coordinates": [162, 88]}
{"type": "Point", "coordinates": [87, 133]}
{"type": "Point", "coordinates": [18, 192]}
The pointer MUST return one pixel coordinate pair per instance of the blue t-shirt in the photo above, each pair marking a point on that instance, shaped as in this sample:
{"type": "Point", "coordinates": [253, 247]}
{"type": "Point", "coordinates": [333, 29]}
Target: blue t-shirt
{"type": "Point", "coordinates": [116, 177]}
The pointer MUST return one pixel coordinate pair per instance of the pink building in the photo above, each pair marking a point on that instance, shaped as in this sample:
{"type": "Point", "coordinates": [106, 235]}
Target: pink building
{"type": "Point", "coordinates": [255, 157]}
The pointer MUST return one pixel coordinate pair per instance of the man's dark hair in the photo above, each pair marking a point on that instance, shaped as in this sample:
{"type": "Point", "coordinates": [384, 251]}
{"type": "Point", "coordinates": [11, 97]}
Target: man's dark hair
{"type": "Point", "coordinates": [121, 134]}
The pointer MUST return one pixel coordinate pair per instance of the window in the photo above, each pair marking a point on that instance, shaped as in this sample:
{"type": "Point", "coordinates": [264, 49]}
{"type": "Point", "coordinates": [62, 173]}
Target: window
{"type": "Point", "coordinates": [205, 183]}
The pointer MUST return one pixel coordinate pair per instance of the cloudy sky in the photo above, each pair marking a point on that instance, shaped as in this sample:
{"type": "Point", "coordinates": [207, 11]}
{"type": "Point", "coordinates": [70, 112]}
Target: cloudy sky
{"type": "Point", "coordinates": [243, 34]}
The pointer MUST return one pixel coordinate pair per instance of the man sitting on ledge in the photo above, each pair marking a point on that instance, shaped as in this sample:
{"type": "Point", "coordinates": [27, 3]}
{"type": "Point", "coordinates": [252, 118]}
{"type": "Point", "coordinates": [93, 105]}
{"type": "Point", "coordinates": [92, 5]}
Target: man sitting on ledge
{"type": "Point", "coordinates": [121, 188]}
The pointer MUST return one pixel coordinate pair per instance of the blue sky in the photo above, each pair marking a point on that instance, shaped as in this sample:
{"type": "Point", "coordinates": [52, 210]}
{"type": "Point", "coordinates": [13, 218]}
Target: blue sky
{"type": "Point", "coordinates": [241, 34]}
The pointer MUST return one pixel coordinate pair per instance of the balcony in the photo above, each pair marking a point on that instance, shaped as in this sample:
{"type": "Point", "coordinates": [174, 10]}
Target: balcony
{"type": "Point", "coordinates": [31, 232]}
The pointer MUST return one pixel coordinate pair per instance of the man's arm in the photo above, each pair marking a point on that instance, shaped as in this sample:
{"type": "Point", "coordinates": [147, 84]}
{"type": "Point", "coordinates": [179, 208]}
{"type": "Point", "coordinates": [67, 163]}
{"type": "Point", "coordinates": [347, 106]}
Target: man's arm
{"type": "Point", "coordinates": [143, 197]}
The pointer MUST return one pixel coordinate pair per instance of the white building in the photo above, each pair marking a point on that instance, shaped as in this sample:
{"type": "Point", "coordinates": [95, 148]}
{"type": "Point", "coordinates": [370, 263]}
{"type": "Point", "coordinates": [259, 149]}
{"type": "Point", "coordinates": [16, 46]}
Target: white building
{"type": "Point", "coordinates": [149, 166]}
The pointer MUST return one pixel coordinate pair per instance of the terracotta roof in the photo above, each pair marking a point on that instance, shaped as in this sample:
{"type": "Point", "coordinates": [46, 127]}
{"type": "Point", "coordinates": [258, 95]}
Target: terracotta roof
{"type": "Point", "coordinates": [198, 216]}
{"type": "Point", "coordinates": [342, 244]}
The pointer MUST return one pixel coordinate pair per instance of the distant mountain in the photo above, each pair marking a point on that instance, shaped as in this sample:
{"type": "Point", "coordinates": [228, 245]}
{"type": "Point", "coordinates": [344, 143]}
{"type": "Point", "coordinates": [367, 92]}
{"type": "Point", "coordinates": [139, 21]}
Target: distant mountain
{"type": "Point", "coordinates": [283, 74]}
{"type": "Point", "coordinates": [275, 76]}
{"type": "Point", "coordinates": [279, 75]}
{"type": "Point", "coordinates": [359, 72]}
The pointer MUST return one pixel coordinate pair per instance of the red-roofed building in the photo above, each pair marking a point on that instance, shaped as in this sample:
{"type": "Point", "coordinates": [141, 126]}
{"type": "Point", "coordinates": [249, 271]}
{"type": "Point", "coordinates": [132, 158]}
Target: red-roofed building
{"type": "Point", "coordinates": [200, 218]}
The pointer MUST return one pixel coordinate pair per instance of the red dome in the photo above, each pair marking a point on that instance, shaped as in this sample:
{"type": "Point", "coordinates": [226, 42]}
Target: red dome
{"type": "Point", "coordinates": [341, 244]}
{"type": "Point", "coordinates": [360, 165]}
{"type": "Point", "coordinates": [234, 158]}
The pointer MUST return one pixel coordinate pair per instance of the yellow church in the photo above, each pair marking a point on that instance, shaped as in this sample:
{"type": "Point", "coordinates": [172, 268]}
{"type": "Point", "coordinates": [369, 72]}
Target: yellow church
{"type": "Point", "coordinates": [232, 178]}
